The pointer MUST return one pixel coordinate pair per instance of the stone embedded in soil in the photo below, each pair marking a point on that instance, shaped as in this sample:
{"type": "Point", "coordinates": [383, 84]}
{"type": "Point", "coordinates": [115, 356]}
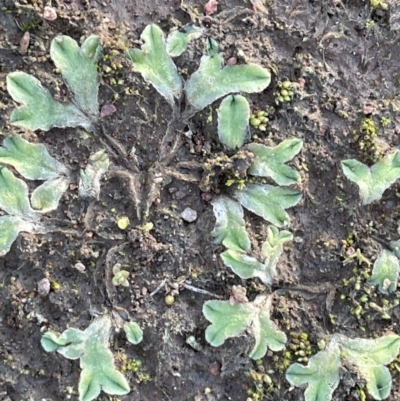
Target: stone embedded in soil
{"type": "Point", "coordinates": [80, 267]}
{"type": "Point", "coordinates": [215, 368]}
{"type": "Point", "coordinates": [107, 110]}
{"type": "Point", "coordinates": [211, 7]}
{"type": "Point", "coordinates": [206, 196]}
{"type": "Point", "coordinates": [44, 287]}
{"type": "Point", "coordinates": [49, 13]}
{"type": "Point", "coordinates": [189, 215]}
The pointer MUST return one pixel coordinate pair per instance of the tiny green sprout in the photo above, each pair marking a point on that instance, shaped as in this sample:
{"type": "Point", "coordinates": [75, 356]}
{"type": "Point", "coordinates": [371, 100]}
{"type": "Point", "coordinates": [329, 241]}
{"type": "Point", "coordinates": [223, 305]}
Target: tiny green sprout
{"type": "Point", "coordinates": [123, 223]}
{"type": "Point", "coordinates": [359, 256]}
{"type": "Point", "coordinates": [120, 276]}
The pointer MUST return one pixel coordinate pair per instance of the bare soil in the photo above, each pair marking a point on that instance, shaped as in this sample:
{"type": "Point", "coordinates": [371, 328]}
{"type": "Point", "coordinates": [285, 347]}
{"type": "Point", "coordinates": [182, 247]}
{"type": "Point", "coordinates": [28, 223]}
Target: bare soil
{"type": "Point", "coordinates": [344, 58]}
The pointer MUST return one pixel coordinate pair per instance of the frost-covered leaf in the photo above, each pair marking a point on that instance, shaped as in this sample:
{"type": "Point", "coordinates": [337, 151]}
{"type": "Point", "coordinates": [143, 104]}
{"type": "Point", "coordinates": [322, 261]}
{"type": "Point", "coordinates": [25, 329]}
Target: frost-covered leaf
{"type": "Point", "coordinates": [230, 320]}
{"type": "Point", "coordinates": [178, 40]}
{"type": "Point", "coordinates": [78, 67]}
{"type": "Point", "coordinates": [155, 65]}
{"type": "Point", "coordinates": [366, 356]}
{"type": "Point", "coordinates": [385, 273]}
{"type": "Point", "coordinates": [245, 266]}
{"type": "Point", "coordinates": [321, 374]}
{"type": "Point", "coordinates": [46, 197]}
{"type": "Point", "coordinates": [89, 183]}
{"type": "Point", "coordinates": [32, 161]}
{"type": "Point", "coordinates": [233, 121]}
{"type": "Point", "coordinates": [133, 332]}
{"type": "Point", "coordinates": [96, 360]}
{"type": "Point", "coordinates": [14, 195]}
{"type": "Point", "coordinates": [39, 110]}
{"type": "Point", "coordinates": [273, 247]}
{"type": "Point", "coordinates": [230, 227]}
{"type": "Point", "coordinates": [379, 380]}
{"type": "Point", "coordinates": [212, 81]}
{"type": "Point", "coordinates": [226, 320]}
{"type": "Point", "coordinates": [379, 351]}
{"type": "Point", "coordinates": [369, 357]}
{"type": "Point", "coordinates": [373, 181]}
{"type": "Point", "coordinates": [10, 227]}
{"type": "Point", "coordinates": [270, 162]}
{"type": "Point", "coordinates": [51, 341]}
{"type": "Point", "coordinates": [266, 336]}
{"type": "Point", "coordinates": [268, 201]}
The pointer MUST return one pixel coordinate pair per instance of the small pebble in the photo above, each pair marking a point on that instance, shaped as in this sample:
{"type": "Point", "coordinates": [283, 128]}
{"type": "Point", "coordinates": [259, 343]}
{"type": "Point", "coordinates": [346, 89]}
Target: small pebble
{"type": "Point", "coordinates": [210, 7]}
{"type": "Point", "coordinates": [158, 178]}
{"type": "Point", "coordinates": [107, 110]}
{"type": "Point", "coordinates": [169, 300]}
{"type": "Point", "coordinates": [49, 13]}
{"type": "Point", "coordinates": [80, 267]}
{"type": "Point", "coordinates": [215, 368]}
{"type": "Point", "coordinates": [44, 287]}
{"type": "Point", "coordinates": [389, 205]}
{"type": "Point", "coordinates": [206, 196]}
{"type": "Point", "coordinates": [189, 215]}
{"type": "Point", "coordinates": [123, 223]}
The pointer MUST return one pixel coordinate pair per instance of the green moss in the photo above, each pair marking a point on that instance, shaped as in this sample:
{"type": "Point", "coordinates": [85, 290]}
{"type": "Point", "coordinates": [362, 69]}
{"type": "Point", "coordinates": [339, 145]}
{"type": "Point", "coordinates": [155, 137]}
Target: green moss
{"type": "Point", "coordinates": [259, 120]}
{"type": "Point", "coordinates": [368, 127]}
{"type": "Point", "coordinates": [367, 140]}
{"type": "Point", "coordinates": [370, 23]}
{"type": "Point", "coordinates": [374, 4]}
{"type": "Point", "coordinates": [131, 365]}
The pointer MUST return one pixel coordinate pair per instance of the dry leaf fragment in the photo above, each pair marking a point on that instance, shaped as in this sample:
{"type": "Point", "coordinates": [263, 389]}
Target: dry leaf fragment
{"type": "Point", "coordinates": [259, 5]}
{"type": "Point", "coordinates": [210, 7]}
{"type": "Point", "coordinates": [24, 43]}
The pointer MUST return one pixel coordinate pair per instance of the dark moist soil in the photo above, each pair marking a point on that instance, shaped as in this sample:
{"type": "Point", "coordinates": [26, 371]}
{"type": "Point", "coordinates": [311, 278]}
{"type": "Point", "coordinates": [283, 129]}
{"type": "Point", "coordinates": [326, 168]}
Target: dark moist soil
{"type": "Point", "coordinates": [347, 58]}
